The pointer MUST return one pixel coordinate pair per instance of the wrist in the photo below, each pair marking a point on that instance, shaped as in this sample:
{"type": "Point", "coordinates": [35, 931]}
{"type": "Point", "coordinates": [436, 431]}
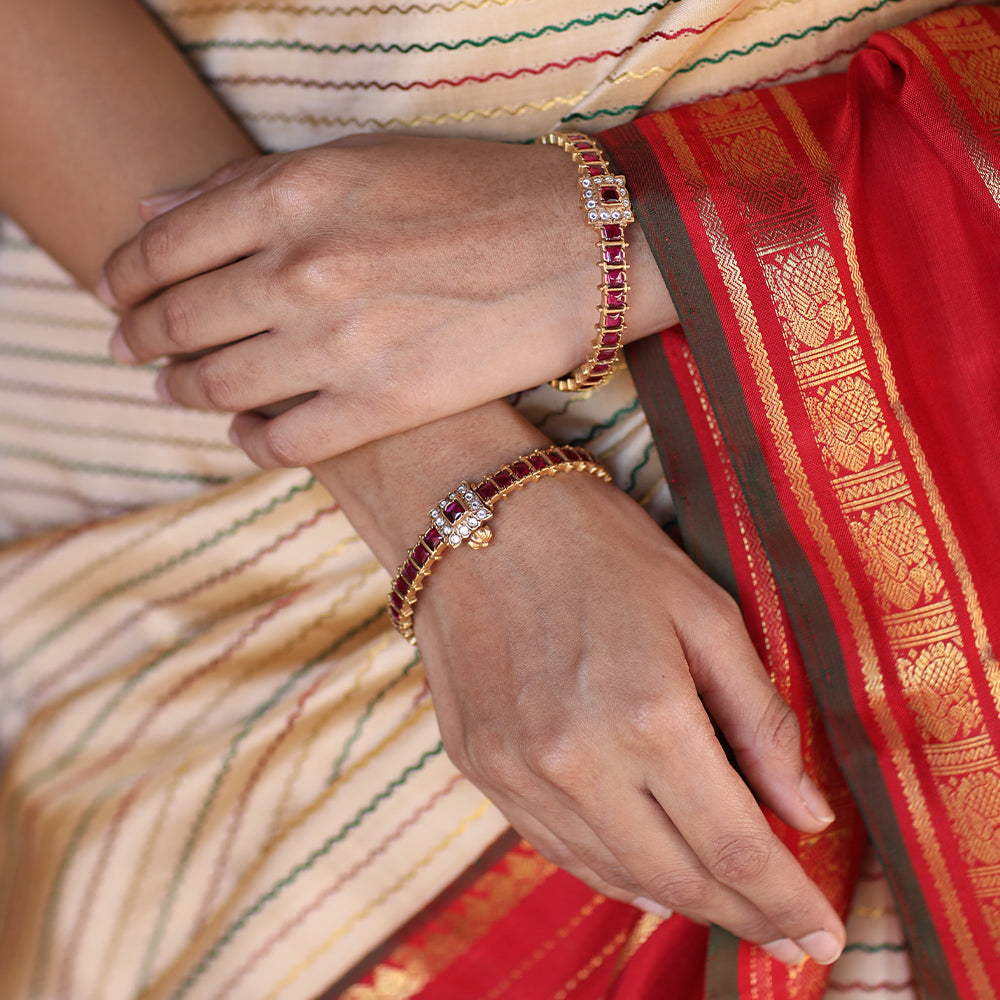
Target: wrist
{"type": "Point", "coordinates": [386, 488]}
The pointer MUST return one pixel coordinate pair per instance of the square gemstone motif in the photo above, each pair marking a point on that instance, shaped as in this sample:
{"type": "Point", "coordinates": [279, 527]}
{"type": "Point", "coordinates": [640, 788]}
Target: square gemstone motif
{"type": "Point", "coordinates": [459, 515]}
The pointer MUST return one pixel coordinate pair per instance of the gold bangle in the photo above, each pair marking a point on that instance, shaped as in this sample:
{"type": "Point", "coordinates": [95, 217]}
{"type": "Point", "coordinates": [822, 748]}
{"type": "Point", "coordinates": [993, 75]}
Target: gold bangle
{"type": "Point", "coordinates": [608, 209]}
{"type": "Point", "coordinates": [461, 517]}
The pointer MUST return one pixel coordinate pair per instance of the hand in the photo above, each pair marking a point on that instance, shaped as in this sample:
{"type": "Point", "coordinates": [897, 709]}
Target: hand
{"type": "Point", "coordinates": [391, 280]}
{"type": "Point", "coordinates": [578, 666]}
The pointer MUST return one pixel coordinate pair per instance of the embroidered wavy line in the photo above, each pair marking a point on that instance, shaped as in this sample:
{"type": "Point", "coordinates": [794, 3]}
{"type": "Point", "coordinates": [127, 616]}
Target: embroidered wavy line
{"type": "Point", "coordinates": [328, 121]}
{"type": "Point", "coordinates": [48, 319]}
{"type": "Point", "coordinates": [605, 425]}
{"type": "Point", "coordinates": [586, 116]}
{"type": "Point", "coordinates": [309, 83]}
{"type": "Point", "coordinates": [25, 388]}
{"type": "Point", "coordinates": [788, 36]}
{"type": "Point", "coordinates": [324, 48]}
{"type": "Point", "coordinates": [353, 823]}
{"type": "Point", "coordinates": [162, 567]}
{"type": "Point", "coordinates": [378, 850]}
{"type": "Point", "coordinates": [102, 469]}
{"type": "Point", "coordinates": [106, 433]}
{"type": "Point", "coordinates": [212, 10]}
{"type": "Point", "coordinates": [187, 851]}
{"type": "Point", "coordinates": [320, 725]}
{"type": "Point", "coordinates": [407, 876]}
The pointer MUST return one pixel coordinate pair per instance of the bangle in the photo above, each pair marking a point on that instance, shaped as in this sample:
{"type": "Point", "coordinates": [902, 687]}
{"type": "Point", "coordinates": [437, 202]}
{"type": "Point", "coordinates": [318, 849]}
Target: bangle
{"type": "Point", "coordinates": [461, 517]}
{"type": "Point", "coordinates": [606, 207]}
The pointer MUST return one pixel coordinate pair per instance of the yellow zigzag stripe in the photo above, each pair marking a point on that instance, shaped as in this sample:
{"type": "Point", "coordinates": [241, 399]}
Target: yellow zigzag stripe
{"type": "Point", "coordinates": [449, 116]}
{"type": "Point", "coordinates": [325, 946]}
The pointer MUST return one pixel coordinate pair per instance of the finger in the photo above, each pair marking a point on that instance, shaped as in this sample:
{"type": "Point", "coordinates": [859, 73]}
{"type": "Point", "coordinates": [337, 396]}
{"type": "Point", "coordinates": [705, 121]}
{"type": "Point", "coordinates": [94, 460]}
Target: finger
{"type": "Point", "coordinates": [203, 312]}
{"type": "Point", "coordinates": [207, 232]}
{"type": "Point", "coordinates": [555, 849]}
{"type": "Point", "coordinates": [649, 854]}
{"type": "Point", "coordinates": [717, 816]}
{"type": "Point", "coordinates": [322, 427]}
{"type": "Point", "coordinates": [241, 376]}
{"type": "Point", "coordinates": [758, 723]}
{"type": "Point", "coordinates": [156, 204]}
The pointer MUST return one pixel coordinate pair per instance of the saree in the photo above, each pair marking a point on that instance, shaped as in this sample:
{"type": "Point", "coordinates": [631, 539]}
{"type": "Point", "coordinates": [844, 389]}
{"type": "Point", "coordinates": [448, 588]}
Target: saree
{"type": "Point", "coordinates": [828, 414]}
{"type": "Point", "coordinates": [222, 772]}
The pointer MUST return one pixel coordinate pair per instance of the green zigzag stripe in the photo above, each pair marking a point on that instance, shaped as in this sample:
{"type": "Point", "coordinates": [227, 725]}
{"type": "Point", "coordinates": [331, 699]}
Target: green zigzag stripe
{"type": "Point", "coordinates": [352, 824]}
{"type": "Point", "coordinates": [168, 564]}
{"type": "Point", "coordinates": [579, 22]}
{"type": "Point", "coordinates": [789, 36]}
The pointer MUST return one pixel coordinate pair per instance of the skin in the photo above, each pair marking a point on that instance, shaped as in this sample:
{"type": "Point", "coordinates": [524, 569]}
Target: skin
{"type": "Point", "coordinates": [321, 272]}
{"type": "Point", "coordinates": [595, 735]}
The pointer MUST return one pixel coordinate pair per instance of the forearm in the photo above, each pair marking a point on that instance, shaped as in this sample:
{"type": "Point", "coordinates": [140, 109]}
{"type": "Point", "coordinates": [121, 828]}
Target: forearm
{"type": "Point", "coordinates": [126, 116]}
{"type": "Point", "coordinates": [99, 109]}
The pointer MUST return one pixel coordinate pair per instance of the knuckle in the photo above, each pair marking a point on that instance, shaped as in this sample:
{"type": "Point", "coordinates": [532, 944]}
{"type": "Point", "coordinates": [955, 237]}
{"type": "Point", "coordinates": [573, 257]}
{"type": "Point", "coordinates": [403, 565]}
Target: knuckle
{"type": "Point", "coordinates": [290, 183]}
{"type": "Point", "coordinates": [310, 273]}
{"type": "Point", "coordinates": [285, 449]}
{"type": "Point", "coordinates": [741, 859]}
{"type": "Point", "coordinates": [156, 246]}
{"type": "Point", "coordinates": [176, 321]}
{"type": "Point", "coordinates": [619, 877]}
{"type": "Point", "coordinates": [780, 728]}
{"type": "Point", "coordinates": [686, 891]}
{"type": "Point", "coordinates": [556, 758]}
{"type": "Point", "coordinates": [216, 386]}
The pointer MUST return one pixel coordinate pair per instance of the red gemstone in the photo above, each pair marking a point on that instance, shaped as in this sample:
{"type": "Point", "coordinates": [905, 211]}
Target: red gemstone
{"type": "Point", "coordinates": [590, 157]}
{"type": "Point", "coordinates": [616, 279]}
{"type": "Point", "coordinates": [410, 572]}
{"type": "Point", "coordinates": [599, 369]}
{"type": "Point", "coordinates": [486, 492]}
{"type": "Point", "coordinates": [612, 321]}
{"type": "Point", "coordinates": [609, 196]}
{"type": "Point", "coordinates": [400, 589]}
{"type": "Point", "coordinates": [610, 340]}
{"type": "Point", "coordinates": [522, 469]}
{"type": "Point", "coordinates": [612, 232]}
{"type": "Point", "coordinates": [420, 555]}
{"type": "Point", "coordinates": [583, 144]}
{"type": "Point", "coordinates": [607, 355]}
{"type": "Point", "coordinates": [538, 461]}
{"type": "Point", "coordinates": [432, 539]}
{"type": "Point", "coordinates": [595, 171]}
{"type": "Point", "coordinates": [503, 479]}
{"type": "Point", "coordinates": [614, 255]}
{"type": "Point", "coordinates": [615, 300]}
{"type": "Point", "coordinates": [396, 601]}
{"type": "Point", "coordinates": [453, 511]}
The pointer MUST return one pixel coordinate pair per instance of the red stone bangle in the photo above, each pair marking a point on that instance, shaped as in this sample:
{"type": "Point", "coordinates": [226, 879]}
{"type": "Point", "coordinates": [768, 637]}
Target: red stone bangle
{"type": "Point", "coordinates": [607, 208]}
{"type": "Point", "coordinates": [462, 515]}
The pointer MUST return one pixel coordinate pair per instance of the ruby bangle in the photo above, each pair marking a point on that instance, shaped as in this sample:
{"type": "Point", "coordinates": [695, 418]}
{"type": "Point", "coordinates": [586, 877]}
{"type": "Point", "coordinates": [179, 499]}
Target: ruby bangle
{"type": "Point", "coordinates": [462, 515]}
{"type": "Point", "coordinates": [608, 209]}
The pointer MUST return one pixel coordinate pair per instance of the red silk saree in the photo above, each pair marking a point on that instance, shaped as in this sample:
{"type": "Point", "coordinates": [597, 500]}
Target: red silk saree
{"type": "Point", "coordinates": [829, 417]}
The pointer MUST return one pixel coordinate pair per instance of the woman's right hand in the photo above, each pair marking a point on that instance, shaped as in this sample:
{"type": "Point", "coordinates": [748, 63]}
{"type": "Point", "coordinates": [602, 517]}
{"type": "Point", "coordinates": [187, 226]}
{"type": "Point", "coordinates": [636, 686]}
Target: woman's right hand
{"type": "Point", "coordinates": [579, 668]}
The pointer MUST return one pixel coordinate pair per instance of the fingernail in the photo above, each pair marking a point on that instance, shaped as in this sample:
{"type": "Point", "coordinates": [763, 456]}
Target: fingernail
{"type": "Point", "coordinates": [164, 197]}
{"type": "Point", "coordinates": [651, 906]}
{"type": "Point", "coordinates": [822, 947]}
{"type": "Point", "coordinates": [103, 291]}
{"type": "Point", "coordinates": [158, 204]}
{"type": "Point", "coordinates": [119, 349]}
{"type": "Point", "coordinates": [161, 388]}
{"type": "Point", "coordinates": [784, 950]}
{"type": "Point", "coordinates": [813, 800]}
{"type": "Point", "coordinates": [234, 436]}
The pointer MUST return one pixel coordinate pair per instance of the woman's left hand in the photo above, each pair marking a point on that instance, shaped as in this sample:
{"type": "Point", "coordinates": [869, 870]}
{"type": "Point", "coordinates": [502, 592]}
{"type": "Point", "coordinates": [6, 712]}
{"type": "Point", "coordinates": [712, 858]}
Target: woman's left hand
{"type": "Point", "coordinates": [391, 281]}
